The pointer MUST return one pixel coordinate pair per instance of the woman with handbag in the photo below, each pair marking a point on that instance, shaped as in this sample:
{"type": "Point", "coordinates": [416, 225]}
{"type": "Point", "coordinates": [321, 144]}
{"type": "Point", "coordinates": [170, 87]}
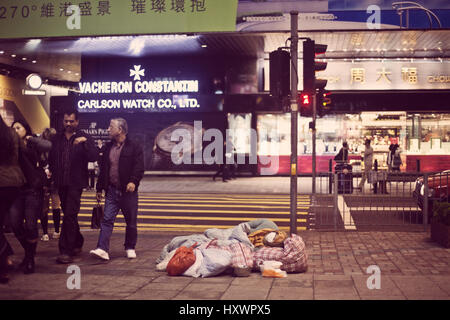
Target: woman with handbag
{"type": "Point", "coordinates": [27, 207]}
{"type": "Point", "coordinates": [11, 179]}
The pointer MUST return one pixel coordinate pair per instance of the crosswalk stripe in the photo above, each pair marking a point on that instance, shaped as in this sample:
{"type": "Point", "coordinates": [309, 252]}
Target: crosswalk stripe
{"type": "Point", "coordinates": [152, 201]}
{"type": "Point", "coordinates": [210, 196]}
{"type": "Point", "coordinates": [204, 211]}
{"type": "Point", "coordinates": [199, 218]}
{"type": "Point", "coordinates": [184, 229]}
{"type": "Point", "coordinates": [205, 226]}
{"type": "Point", "coordinates": [205, 205]}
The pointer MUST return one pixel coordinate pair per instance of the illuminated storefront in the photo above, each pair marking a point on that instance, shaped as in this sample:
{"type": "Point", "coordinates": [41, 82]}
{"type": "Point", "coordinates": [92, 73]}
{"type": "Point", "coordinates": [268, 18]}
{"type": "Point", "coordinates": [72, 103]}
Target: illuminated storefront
{"type": "Point", "coordinates": [424, 137]}
{"type": "Point", "coordinates": [396, 101]}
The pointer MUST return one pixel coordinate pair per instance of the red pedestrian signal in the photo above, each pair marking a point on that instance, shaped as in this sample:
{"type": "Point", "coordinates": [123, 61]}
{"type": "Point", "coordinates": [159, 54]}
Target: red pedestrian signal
{"type": "Point", "coordinates": [306, 105]}
{"type": "Point", "coordinates": [306, 100]}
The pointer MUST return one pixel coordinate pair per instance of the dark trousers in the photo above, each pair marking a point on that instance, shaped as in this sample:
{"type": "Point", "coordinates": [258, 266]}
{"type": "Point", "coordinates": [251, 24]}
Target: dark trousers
{"type": "Point", "coordinates": [7, 197]}
{"type": "Point", "coordinates": [92, 179]}
{"type": "Point", "coordinates": [25, 213]}
{"type": "Point", "coordinates": [224, 170]}
{"type": "Point", "coordinates": [70, 237]}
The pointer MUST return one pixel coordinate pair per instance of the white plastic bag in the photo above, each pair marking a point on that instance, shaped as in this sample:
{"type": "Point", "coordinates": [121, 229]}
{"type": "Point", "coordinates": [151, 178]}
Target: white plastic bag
{"type": "Point", "coordinates": [193, 270]}
{"type": "Point", "coordinates": [162, 266]}
{"type": "Point", "coordinates": [272, 269]}
{"type": "Point", "coordinates": [215, 261]}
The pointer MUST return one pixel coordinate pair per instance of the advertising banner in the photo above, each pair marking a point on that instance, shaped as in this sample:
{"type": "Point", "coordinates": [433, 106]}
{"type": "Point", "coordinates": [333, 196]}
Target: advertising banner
{"type": "Point", "coordinates": [56, 18]}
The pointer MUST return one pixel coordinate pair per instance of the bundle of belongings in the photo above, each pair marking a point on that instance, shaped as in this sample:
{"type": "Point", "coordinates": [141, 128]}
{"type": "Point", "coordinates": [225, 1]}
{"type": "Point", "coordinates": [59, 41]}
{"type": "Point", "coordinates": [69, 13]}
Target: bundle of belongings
{"type": "Point", "coordinates": [256, 245]}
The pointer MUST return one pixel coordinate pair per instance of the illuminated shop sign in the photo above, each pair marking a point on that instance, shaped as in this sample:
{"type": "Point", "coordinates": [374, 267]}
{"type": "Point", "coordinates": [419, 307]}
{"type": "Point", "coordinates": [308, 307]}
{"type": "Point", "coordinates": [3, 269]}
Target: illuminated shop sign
{"type": "Point", "coordinates": [140, 86]}
{"type": "Point", "coordinates": [386, 75]}
{"type": "Point", "coordinates": [163, 103]}
{"type": "Point", "coordinates": [138, 93]}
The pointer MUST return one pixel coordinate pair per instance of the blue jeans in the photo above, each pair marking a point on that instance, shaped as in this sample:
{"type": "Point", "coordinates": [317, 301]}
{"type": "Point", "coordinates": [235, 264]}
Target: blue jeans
{"type": "Point", "coordinates": [127, 202]}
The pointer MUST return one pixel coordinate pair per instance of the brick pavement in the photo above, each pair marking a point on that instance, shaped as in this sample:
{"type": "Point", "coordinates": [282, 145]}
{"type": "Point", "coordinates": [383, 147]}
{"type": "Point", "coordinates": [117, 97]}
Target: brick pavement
{"type": "Point", "coordinates": [412, 267]}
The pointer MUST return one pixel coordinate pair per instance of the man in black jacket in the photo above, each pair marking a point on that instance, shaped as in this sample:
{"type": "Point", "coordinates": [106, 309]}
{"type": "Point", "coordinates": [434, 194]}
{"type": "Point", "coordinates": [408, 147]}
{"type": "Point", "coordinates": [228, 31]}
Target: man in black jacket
{"type": "Point", "coordinates": [68, 163]}
{"type": "Point", "coordinates": [121, 169]}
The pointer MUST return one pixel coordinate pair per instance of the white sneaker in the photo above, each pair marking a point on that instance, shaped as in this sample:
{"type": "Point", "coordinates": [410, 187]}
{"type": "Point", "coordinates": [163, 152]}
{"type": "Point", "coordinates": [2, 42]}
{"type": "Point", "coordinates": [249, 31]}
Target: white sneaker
{"type": "Point", "coordinates": [102, 254]}
{"type": "Point", "coordinates": [131, 254]}
{"type": "Point", "coordinates": [56, 235]}
{"type": "Point", "coordinates": [45, 237]}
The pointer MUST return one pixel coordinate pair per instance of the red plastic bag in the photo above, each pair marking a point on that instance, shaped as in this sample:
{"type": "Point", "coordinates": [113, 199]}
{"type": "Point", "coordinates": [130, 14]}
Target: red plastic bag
{"type": "Point", "coordinates": [181, 261]}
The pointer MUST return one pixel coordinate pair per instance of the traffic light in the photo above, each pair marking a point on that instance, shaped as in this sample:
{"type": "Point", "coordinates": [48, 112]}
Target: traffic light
{"type": "Point", "coordinates": [311, 66]}
{"type": "Point", "coordinates": [323, 102]}
{"type": "Point", "coordinates": [280, 73]}
{"type": "Point", "coordinates": [306, 104]}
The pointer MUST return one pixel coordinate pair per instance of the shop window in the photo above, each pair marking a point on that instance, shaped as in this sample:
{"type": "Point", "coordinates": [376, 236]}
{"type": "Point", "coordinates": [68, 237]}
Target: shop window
{"type": "Point", "coordinates": [239, 125]}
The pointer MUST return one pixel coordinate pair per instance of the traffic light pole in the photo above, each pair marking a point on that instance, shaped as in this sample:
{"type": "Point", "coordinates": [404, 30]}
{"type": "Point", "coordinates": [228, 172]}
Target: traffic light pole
{"type": "Point", "coordinates": [314, 97]}
{"type": "Point", "coordinates": [294, 121]}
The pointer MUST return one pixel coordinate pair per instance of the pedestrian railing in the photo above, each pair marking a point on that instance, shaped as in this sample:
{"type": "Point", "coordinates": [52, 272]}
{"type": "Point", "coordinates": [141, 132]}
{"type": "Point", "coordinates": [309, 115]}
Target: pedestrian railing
{"type": "Point", "coordinates": [384, 200]}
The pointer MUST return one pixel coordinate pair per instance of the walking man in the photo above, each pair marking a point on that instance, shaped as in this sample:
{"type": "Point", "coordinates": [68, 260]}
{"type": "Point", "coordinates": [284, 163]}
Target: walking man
{"type": "Point", "coordinates": [68, 159]}
{"type": "Point", "coordinates": [368, 162]}
{"type": "Point", "coordinates": [121, 169]}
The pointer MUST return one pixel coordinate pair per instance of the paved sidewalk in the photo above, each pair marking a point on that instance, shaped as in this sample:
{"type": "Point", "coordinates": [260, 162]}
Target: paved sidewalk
{"type": "Point", "coordinates": [412, 267]}
{"type": "Point", "coordinates": [241, 185]}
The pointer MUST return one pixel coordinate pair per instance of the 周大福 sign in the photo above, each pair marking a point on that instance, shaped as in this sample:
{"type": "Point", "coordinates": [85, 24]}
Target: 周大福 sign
{"type": "Point", "coordinates": [57, 18]}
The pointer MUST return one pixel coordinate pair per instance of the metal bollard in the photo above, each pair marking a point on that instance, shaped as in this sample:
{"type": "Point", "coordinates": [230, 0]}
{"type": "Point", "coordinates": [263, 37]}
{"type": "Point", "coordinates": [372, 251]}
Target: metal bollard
{"type": "Point", "coordinates": [336, 208]}
{"type": "Point", "coordinates": [330, 182]}
{"type": "Point", "coordinates": [425, 201]}
{"type": "Point", "coordinates": [375, 185]}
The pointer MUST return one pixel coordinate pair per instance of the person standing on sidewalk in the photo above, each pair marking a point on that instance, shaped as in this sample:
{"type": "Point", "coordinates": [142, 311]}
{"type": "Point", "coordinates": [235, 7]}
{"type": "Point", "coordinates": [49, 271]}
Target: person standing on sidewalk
{"type": "Point", "coordinates": [26, 209]}
{"type": "Point", "coordinates": [342, 156]}
{"type": "Point", "coordinates": [11, 179]}
{"type": "Point", "coordinates": [368, 163]}
{"type": "Point", "coordinates": [121, 170]}
{"type": "Point", "coordinates": [68, 159]}
{"type": "Point", "coordinates": [50, 195]}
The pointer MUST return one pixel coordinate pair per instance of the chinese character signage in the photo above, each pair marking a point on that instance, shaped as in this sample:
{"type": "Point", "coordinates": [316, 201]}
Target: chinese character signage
{"type": "Point", "coordinates": [398, 75]}
{"type": "Point", "coordinates": [58, 18]}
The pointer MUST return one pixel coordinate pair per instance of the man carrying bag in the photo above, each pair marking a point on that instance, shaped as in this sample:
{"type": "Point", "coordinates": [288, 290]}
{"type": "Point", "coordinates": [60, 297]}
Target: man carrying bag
{"type": "Point", "coordinates": [97, 216]}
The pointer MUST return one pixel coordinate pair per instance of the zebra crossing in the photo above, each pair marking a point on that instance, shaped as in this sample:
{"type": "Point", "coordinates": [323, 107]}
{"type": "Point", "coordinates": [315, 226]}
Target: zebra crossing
{"type": "Point", "coordinates": [198, 212]}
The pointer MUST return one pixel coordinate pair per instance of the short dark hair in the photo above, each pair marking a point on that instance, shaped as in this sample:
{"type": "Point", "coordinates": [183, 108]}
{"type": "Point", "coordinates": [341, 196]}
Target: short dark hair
{"type": "Point", "coordinates": [71, 111]}
{"type": "Point", "coordinates": [367, 141]}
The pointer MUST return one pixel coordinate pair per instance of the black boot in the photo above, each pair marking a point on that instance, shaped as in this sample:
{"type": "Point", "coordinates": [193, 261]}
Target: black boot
{"type": "Point", "coordinates": [27, 264]}
{"type": "Point", "coordinates": [3, 269]}
{"type": "Point", "coordinates": [29, 257]}
{"type": "Point", "coordinates": [24, 244]}
{"type": "Point", "coordinates": [56, 219]}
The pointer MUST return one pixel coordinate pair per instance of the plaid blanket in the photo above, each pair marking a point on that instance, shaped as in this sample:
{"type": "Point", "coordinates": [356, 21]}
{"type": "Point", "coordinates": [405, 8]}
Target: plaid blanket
{"type": "Point", "coordinates": [293, 256]}
{"type": "Point", "coordinates": [241, 254]}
